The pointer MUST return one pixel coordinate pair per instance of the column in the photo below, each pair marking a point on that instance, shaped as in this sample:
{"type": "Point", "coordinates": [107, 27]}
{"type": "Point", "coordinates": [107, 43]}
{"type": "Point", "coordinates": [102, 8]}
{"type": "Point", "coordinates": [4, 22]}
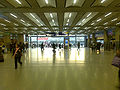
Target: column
{"type": "Point", "coordinates": [20, 38]}
{"type": "Point", "coordinates": [117, 38]}
{"type": "Point", "coordinates": [106, 41]}
{"type": "Point", "coordinates": [93, 38]}
{"type": "Point", "coordinates": [88, 41]}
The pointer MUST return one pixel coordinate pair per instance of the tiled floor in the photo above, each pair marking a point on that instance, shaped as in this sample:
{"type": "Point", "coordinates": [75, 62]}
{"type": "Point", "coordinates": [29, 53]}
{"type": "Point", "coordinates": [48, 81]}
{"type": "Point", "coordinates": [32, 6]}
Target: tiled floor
{"type": "Point", "coordinates": [65, 70]}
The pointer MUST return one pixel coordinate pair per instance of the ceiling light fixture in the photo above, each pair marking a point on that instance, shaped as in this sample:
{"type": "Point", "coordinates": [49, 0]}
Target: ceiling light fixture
{"type": "Point", "coordinates": [92, 23]}
{"type": "Point", "coordinates": [13, 15]}
{"type": "Point", "coordinates": [46, 1]}
{"type": "Point", "coordinates": [105, 23]}
{"type": "Point", "coordinates": [16, 24]}
{"type": "Point", "coordinates": [51, 15]}
{"type": "Point", "coordinates": [79, 23]}
{"type": "Point", "coordinates": [114, 19]}
{"type": "Point", "coordinates": [7, 21]}
{"type": "Point", "coordinates": [70, 15]}
{"type": "Point", "coordinates": [99, 20]}
{"type": "Point", "coordinates": [89, 14]}
{"type": "Point", "coordinates": [2, 24]}
{"type": "Point", "coordinates": [108, 14]}
{"type": "Point", "coordinates": [68, 20]}
{"type": "Point", "coordinates": [67, 24]}
{"type": "Point", "coordinates": [74, 1]}
{"type": "Point", "coordinates": [18, 1]}
{"type": "Point", "coordinates": [32, 15]}
{"type": "Point", "coordinates": [53, 20]}
{"type": "Point", "coordinates": [117, 23]}
{"type": "Point", "coordinates": [83, 20]}
{"type": "Point", "coordinates": [22, 20]}
{"type": "Point", "coordinates": [102, 1]}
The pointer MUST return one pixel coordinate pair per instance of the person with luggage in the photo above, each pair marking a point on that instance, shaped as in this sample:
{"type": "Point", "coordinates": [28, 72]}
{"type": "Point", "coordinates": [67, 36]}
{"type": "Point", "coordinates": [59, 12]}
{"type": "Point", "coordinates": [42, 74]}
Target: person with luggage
{"type": "Point", "coordinates": [17, 55]}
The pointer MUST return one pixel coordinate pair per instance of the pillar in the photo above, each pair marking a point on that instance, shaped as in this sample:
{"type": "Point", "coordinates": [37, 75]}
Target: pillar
{"type": "Point", "coordinates": [117, 38]}
{"type": "Point", "coordinates": [93, 38]}
{"type": "Point", "coordinates": [88, 41]}
{"type": "Point", "coordinates": [106, 41]}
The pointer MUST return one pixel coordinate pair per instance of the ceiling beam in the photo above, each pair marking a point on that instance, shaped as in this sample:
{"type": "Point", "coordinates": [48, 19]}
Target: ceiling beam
{"type": "Point", "coordinates": [49, 9]}
{"type": "Point", "coordinates": [33, 3]}
{"type": "Point", "coordinates": [5, 3]}
{"type": "Point", "coordinates": [60, 15]}
{"type": "Point", "coordinates": [44, 19]}
{"type": "Point", "coordinates": [88, 3]}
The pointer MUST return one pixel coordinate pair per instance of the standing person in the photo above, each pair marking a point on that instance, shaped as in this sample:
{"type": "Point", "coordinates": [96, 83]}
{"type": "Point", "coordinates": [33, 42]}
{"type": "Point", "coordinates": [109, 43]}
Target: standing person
{"type": "Point", "coordinates": [42, 46]}
{"type": "Point", "coordinates": [17, 55]}
{"type": "Point", "coordinates": [78, 45]}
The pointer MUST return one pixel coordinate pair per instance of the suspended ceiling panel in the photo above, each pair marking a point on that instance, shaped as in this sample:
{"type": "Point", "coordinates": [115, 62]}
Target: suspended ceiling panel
{"type": "Point", "coordinates": [52, 18]}
{"type": "Point", "coordinates": [78, 3]}
{"type": "Point", "coordinates": [43, 3]}
{"type": "Point", "coordinates": [86, 17]}
{"type": "Point", "coordinates": [16, 4]}
{"type": "Point", "coordinates": [34, 17]}
{"type": "Point", "coordinates": [102, 2]}
{"type": "Point", "coordinates": [68, 19]}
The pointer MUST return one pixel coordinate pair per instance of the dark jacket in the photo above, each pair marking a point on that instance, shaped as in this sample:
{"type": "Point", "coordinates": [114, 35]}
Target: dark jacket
{"type": "Point", "coordinates": [18, 53]}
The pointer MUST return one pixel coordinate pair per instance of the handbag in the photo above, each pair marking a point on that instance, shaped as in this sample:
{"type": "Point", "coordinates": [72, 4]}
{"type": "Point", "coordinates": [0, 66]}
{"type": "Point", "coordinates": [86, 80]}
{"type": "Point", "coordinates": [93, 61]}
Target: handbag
{"type": "Point", "coordinates": [116, 61]}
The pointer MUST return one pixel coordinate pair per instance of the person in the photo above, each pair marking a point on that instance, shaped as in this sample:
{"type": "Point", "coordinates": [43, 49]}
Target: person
{"type": "Point", "coordinates": [17, 55]}
{"type": "Point", "coordinates": [78, 45]}
{"type": "Point", "coordinates": [1, 55]}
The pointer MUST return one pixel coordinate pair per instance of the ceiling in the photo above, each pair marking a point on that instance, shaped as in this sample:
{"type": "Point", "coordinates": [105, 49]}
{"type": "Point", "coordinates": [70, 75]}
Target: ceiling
{"type": "Point", "coordinates": [73, 16]}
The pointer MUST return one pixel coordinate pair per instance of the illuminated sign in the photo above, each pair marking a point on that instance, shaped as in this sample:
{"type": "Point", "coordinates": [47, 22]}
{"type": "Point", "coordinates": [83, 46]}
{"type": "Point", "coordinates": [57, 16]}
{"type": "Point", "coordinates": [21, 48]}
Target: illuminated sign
{"type": "Point", "coordinates": [42, 38]}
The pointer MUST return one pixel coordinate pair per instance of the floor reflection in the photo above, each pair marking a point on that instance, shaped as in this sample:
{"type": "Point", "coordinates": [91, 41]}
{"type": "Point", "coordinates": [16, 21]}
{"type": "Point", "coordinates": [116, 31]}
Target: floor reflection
{"type": "Point", "coordinates": [60, 56]}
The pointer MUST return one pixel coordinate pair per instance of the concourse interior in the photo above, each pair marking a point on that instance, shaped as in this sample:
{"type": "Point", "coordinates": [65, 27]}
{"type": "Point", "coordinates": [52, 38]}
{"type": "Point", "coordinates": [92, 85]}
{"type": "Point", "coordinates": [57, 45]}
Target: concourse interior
{"type": "Point", "coordinates": [59, 44]}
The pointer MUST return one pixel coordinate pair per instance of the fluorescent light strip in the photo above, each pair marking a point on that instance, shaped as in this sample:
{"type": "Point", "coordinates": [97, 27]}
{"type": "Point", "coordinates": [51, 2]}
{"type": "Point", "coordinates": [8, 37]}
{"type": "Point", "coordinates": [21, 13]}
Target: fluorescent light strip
{"type": "Point", "coordinates": [51, 15]}
{"type": "Point", "coordinates": [46, 1]}
{"type": "Point", "coordinates": [70, 15]}
{"type": "Point", "coordinates": [18, 1]}
{"type": "Point", "coordinates": [32, 15]}
{"type": "Point", "coordinates": [13, 15]}
{"type": "Point", "coordinates": [68, 20]}
{"type": "Point", "coordinates": [83, 20]}
{"type": "Point", "coordinates": [22, 20]}
{"type": "Point", "coordinates": [79, 23]}
{"type": "Point", "coordinates": [74, 1]}
{"type": "Point", "coordinates": [16, 24]}
{"type": "Point", "coordinates": [7, 21]}
{"type": "Point", "coordinates": [99, 20]}
{"type": "Point", "coordinates": [2, 24]}
{"type": "Point", "coordinates": [105, 23]}
{"type": "Point", "coordinates": [53, 20]}
{"type": "Point", "coordinates": [89, 14]}
{"type": "Point", "coordinates": [92, 23]}
{"type": "Point", "coordinates": [108, 14]}
{"type": "Point", "coordinates": [117, 23]}
{"type": "Point", "coordinates": [102, 1]}
{"type": "Point", "coordinates": [114, 19]}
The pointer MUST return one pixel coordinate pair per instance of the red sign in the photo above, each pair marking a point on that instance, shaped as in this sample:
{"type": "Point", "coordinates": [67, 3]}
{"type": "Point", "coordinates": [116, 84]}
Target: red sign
{"type": "Point", "coordinates": [43, 38]}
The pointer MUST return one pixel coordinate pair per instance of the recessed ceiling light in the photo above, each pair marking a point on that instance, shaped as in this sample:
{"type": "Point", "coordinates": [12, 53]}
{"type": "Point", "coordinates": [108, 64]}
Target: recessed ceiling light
{"type": "Point", "coordinates": [99, 20]}
{"type": "Point", "coordinates": [114, 19]}
{"type": "Point", "coordinates": [18, 1]}
{"type": "Point", "coordinates": [70, 15]}
{"type": "Point", "coordinates": [105, 23]}
{"type": "Point", "coordinates": [22, 20]}
{"type": "Point", "coordinates": [7, 21]}
{"type": "Point", "coordinates": [16, 24]}
{"type": "Point", "coordinates": [13, 15]}
{"type": "Point", "coordinates": [108, 14]}
{"type": "Point", "coordinates": [51, 15]}
{"type": "Point", "coordinates": [102, 1]}
{"type": "Point", "coordinates": [92, 23]}
{"type": "Point", "coordinates": [53, 20]}
{"type": "Point", "coordinates": [32, 15]}
{"type": "Point", "coordinates": [2, 24]}
{"type": "Point", "coordinates": [83, 20]}
{"type": "Point", "coordinates": [68, 20]}
{"type": "Point", "coordinates": [89, 14]}
{"type": "Point", "coordinates": [74, 1]}
{"type": "Point", "coordinates": [46, 1]}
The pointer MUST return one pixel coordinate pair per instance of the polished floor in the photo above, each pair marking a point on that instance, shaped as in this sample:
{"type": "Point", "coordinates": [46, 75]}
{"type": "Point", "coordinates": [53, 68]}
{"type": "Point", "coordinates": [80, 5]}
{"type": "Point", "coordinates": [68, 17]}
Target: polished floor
{"type": "Point", "coordinates": [64, 70]}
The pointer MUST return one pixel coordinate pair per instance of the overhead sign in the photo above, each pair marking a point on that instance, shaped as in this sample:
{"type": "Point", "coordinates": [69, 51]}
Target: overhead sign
{"type": "Point", "coordinates": [43, 38]}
